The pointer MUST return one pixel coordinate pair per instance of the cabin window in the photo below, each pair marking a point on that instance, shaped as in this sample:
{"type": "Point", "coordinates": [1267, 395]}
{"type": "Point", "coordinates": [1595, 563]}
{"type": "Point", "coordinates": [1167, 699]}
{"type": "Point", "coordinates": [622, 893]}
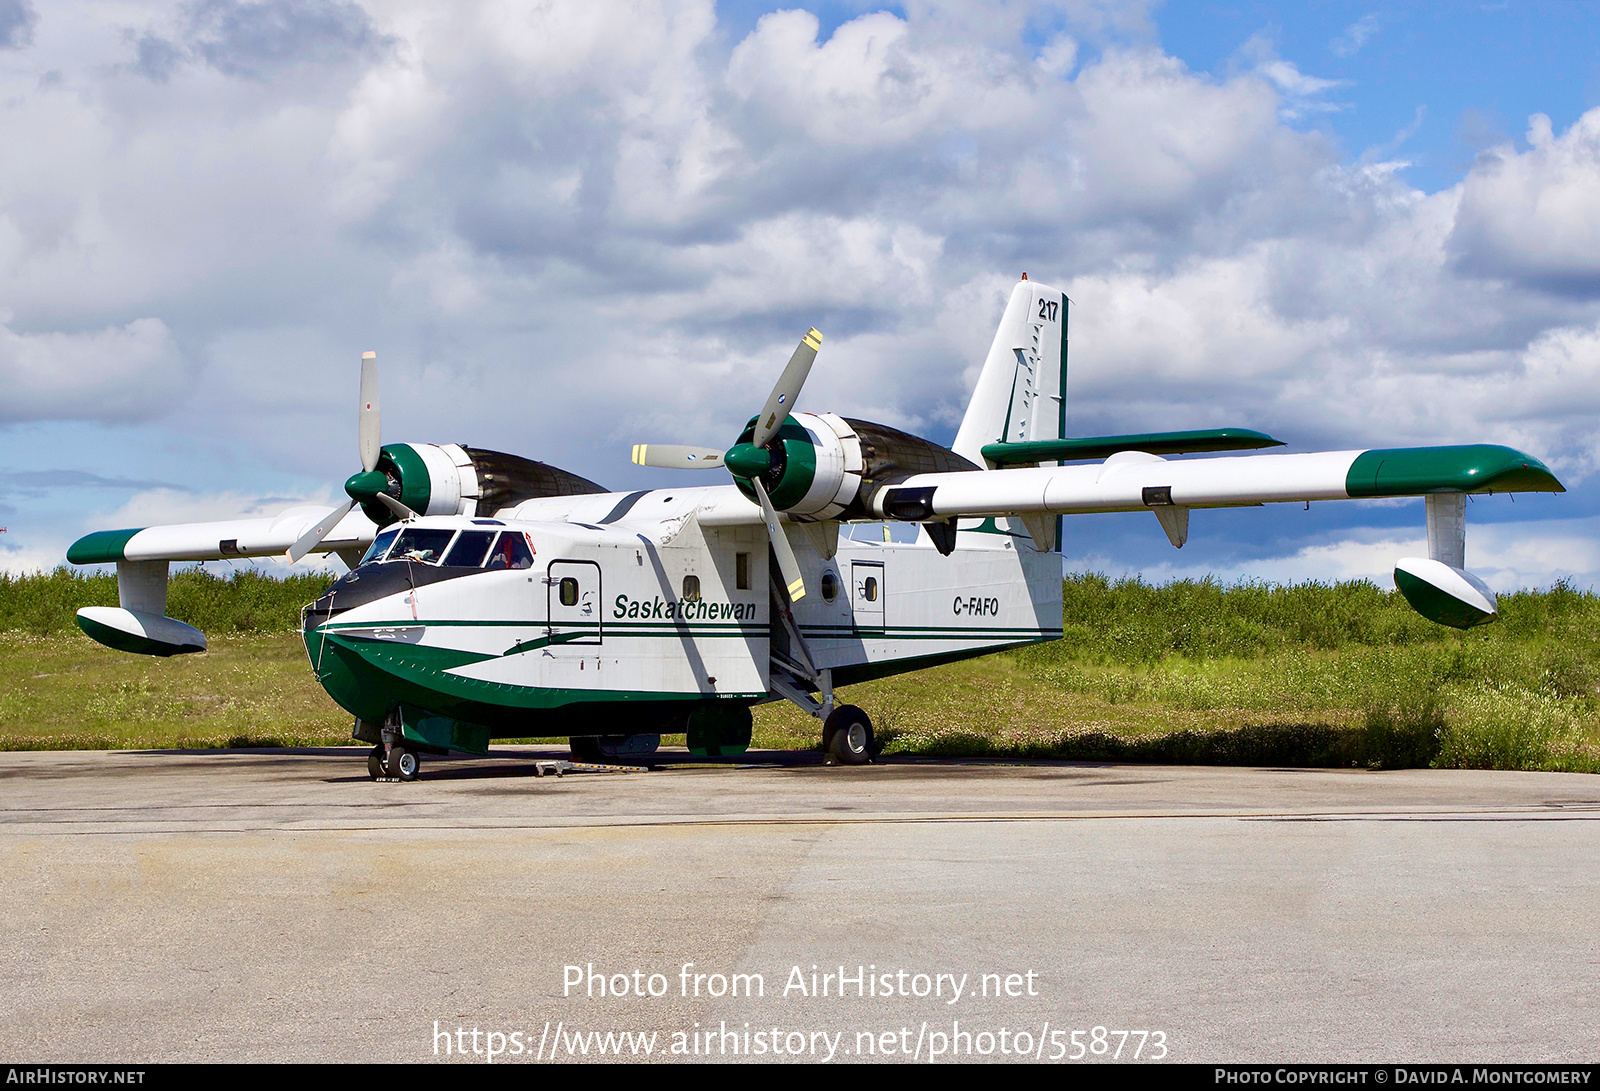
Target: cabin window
{"type": "Point", "coordinates": [510, 551]}
{"type": "Point", "coordinates": [470, 549]}
{"type": "Point", "coordinates": [380, 545]}
{"type": "Point", "coordinates": [869, 590]}
{"type": "Point", "coordinates": [568, 590]}
{"type": "Point", "coordinates": [830, 586]}
{"type": "Point", "coordinates": [741, 571]}
{"type": "Point", "coordinates": [426, 545]}
{"type": "Point", "coordinates": [691, 589]}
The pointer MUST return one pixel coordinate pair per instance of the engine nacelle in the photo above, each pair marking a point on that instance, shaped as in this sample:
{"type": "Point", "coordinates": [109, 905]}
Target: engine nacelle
{"type": "Point", "coordinates": [449, 479]}
{"type": "Point", "coordinates": [428, 478]}
{"type": "Point", "coordinates": [829, 467]}
{"type": "Point", "coordinates": [816, 465]}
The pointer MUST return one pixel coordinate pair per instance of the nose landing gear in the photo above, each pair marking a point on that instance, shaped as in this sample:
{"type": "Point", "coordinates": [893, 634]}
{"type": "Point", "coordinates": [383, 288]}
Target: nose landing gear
{"type": "Point", "coordinates": [400, 763]}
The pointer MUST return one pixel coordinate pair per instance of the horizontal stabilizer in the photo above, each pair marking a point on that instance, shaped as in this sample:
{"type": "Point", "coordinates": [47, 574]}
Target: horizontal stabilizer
{"type": "Point", "coordinates": [1195, 441]}
{"type": "Point", "coordinates": [138, 632]}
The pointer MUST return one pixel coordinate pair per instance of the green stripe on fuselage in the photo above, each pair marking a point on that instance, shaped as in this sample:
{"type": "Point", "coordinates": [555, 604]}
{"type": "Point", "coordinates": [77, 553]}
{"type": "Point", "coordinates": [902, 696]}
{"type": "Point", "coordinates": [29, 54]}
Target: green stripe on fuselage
{"type": "Point", "coordinates": [370, 677]}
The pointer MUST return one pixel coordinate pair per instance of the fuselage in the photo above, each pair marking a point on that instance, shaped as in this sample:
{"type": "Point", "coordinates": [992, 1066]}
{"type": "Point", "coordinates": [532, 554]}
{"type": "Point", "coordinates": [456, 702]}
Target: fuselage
{"type": "Point", "coordinates": [619, 613]}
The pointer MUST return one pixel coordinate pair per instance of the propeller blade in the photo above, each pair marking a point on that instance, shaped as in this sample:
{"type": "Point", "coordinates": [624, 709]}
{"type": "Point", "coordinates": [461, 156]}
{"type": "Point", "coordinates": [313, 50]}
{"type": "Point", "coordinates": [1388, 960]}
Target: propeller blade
{"type": "Point", "coordinates": [395, 506]}
{"type": "Point", "coordinates": [667, 456]}
{"type": "Point", "coordinates": [367, 429]}
{"type": "Point", "coordinates": [780, 403]}
{"type": "Point", "coordinates": [313, 537]}
{"type": "Point", "coordinates": [793, 581]}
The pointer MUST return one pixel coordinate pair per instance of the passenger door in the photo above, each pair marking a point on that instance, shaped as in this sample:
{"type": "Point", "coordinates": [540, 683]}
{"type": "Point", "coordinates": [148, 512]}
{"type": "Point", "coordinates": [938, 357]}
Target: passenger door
{"type": "Point", "coordinates": [573, 596]}
{"type": "Point", "coordinates": [866, 595]}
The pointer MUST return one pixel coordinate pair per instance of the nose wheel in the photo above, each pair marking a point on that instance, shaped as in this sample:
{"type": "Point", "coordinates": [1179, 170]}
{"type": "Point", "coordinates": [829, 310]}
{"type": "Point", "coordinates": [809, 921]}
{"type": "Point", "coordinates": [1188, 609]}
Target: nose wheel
{"type": "Point", "coordinates": [847, 736]}
{"type": "Point", "coordinates": [402, 763]}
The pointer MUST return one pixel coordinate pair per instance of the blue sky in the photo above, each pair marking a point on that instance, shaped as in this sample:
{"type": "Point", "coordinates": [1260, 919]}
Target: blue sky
{"type": "Point", "coordinates": [1347, 225]}
{"type": "Point", "coordinates": [1476, 72]}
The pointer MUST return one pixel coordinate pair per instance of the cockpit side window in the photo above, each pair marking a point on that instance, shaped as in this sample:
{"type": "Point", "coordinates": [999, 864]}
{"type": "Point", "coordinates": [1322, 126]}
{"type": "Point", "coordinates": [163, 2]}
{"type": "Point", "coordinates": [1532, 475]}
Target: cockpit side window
{"type": "Point", "coordinates": [380, 545]}
{"type": "Point", "coordinates": [510, 551]}
{"type": "Point", "coordinates": [470, 549]}
{"type": "Point", "coordinates": [425, 545]}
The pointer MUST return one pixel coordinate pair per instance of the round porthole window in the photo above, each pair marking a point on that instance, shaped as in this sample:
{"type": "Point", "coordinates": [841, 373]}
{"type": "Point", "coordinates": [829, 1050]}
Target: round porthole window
{"type": "Point", "coordinates": [691, 589]}
{"type": "Point", "coordinates": [830, 586]}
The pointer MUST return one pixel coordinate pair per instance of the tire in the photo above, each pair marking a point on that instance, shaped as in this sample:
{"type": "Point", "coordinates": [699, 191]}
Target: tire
{"type": "Point", "coordinates": [404, 763]}
{"type": "Point", "coordinates": [848, 736]}
{"type": "Point", "coordinates": [375, 762]}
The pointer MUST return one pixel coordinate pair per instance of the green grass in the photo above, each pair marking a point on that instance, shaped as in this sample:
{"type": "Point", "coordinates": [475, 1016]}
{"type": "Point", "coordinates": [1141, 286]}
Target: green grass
{"type": "Point", "coordinates": [43, 604]}
{"type": "Point", "coordinates": [1341, 675]}
{"type": "Point", "coordinates": [1195, 672]}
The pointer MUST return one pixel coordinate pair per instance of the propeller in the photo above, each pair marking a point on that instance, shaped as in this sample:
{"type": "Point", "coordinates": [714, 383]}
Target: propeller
{"type": "Point", "coordinates": [780, 403]}
{"type": "Point", "coordinates": [669, 456]}
{"type": "Point", "coordinates": [367, 419]}
{"type": "Point", "coordinates": [369, 484]}
{"type": "Point", "coordinates": [751, 460]}
{"type": "Point", "coordinates": [794, 582]}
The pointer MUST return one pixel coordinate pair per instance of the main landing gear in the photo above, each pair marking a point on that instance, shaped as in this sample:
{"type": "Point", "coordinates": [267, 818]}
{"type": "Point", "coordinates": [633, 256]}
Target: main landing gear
{"type": "Point", "coordinates": [847, 736]}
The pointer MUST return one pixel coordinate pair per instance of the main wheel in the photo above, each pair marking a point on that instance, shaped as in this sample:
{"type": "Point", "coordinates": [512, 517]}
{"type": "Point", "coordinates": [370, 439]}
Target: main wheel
{"type": "Point", "coordinates": [375, 762]}
{"type": "Point", "coordinates": [403, 763]}
{"type": "Point", "coordinates": [848, 736]}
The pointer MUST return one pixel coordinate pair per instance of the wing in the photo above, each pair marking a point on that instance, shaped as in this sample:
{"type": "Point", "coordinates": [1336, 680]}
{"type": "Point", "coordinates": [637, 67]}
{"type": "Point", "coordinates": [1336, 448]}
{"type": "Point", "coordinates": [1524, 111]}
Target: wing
{"type": "Point", "coordinates": [269, 537]}
{"type": "Point", "coordinates": [139, 622]}
{"type": "Point", "coordinates": [1132, 481]}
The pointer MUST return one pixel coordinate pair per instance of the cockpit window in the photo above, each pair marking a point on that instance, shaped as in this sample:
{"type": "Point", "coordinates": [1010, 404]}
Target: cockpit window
{"type": "Point", "coordinates": [510, 551]}
{"type": "Point", "coordinates": [470, 549]}
{"type": "Point", "coordinates": [424, 545]}
{"type": "Point", "coordinates": [380, 545]}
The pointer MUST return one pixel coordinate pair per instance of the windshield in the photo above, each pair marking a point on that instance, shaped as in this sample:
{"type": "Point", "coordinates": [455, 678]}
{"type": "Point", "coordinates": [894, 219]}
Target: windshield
{"type": "Point", "coordinates": [423, 545]}
{"type": "Point", "coordinates": [380, 545]}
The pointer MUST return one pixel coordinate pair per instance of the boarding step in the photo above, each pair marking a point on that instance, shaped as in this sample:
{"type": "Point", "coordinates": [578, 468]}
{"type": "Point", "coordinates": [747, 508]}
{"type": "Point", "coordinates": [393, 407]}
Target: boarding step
{"type": "Point", "coordinates": [562, 767]}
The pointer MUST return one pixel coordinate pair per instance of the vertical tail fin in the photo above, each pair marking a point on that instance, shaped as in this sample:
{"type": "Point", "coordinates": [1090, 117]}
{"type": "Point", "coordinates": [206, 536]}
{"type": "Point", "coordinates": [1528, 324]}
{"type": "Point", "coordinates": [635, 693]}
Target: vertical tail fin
{"type": "Point", "coordinates": [1022, 390]}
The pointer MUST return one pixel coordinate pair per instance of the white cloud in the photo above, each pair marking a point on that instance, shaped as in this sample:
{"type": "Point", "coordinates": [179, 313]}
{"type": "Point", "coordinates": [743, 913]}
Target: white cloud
{"type": "Point", "coordinates": [1508, 556]}
{"type": "Point", "coordinates": [1059, 56]}
{"type": "Point", "coordinates": [567, 228]}
{"type": "Point", "coordinates": [1356, 35]}
{"type": "Point", "coordinates": [42, 546]}
{"type": "Point", "coordinates": [1300, 91]}
{"type": "Point", "coordinates": [126, 372]}
{"type": "Point", "coordinates": [17, 20]}
{"type": "Point", "coordinates": [1533, 215]}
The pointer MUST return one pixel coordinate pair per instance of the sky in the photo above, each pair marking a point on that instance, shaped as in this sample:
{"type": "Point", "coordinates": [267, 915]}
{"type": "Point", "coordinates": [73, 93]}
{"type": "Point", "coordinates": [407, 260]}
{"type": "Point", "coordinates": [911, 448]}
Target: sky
{"type": "Point", "coordinates": [566, 229]}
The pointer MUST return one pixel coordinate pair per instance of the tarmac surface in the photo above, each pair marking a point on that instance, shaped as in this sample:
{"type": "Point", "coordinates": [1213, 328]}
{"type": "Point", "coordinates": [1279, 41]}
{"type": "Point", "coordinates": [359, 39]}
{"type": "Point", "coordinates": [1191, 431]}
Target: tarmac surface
{"type": "Point", "coordinates": [278, 905]}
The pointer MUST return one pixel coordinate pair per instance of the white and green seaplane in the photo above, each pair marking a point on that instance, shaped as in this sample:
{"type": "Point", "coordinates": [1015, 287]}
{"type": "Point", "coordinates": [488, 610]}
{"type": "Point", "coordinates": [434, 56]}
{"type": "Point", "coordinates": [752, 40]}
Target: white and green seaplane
{"type": "Point", "coordinates": [490, 596]}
